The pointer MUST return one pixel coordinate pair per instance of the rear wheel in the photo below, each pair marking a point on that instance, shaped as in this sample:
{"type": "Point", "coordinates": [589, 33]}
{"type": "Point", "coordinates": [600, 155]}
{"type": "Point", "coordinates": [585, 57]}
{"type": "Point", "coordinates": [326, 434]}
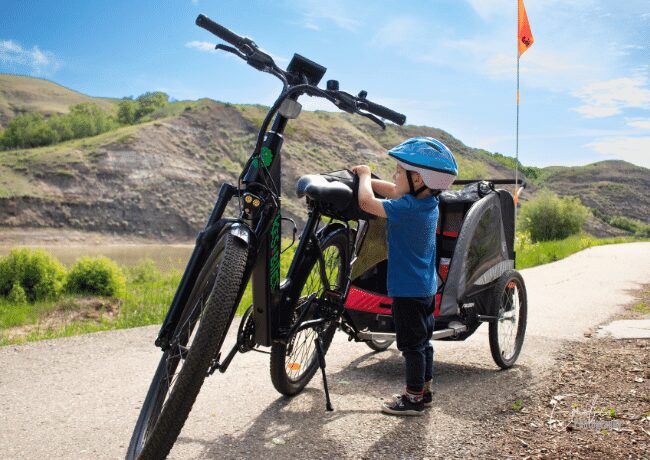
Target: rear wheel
{"type": "Point", "coordinates": [510, 306]}
{"type": "Point", "coordinates": [379, 345]}
{"type": "Point", "coordinates": [195, 342]}
{"type": "Point", "coordinates": [294, 362]}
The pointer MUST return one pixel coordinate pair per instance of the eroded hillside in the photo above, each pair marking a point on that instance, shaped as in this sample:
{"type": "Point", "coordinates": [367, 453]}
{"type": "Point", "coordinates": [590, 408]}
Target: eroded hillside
{"type": "Point", "coordinates": [160, 179]}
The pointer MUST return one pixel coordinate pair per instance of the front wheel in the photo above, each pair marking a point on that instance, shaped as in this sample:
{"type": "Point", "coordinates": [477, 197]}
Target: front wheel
{"type": "Point", "coordinates": [510, 306]}
{"type": "Point", "coordinates": [196, 340]}
{"type": "Point", "coordinates": [295, 361]}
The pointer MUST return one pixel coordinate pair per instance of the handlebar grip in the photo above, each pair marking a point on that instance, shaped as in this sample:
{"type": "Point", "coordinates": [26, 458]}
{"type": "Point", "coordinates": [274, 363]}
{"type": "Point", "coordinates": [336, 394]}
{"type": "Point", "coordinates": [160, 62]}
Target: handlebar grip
{"type": "Point", "coordinates": [219, 30]}
{"type": "Point", "coordinates": [384, 112]}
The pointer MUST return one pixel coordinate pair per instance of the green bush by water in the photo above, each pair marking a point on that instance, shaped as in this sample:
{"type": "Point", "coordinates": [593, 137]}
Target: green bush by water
{"type": "Point", "coordinates": [96, 276]}
{"type": "Point", "coordinates": [30, 275]}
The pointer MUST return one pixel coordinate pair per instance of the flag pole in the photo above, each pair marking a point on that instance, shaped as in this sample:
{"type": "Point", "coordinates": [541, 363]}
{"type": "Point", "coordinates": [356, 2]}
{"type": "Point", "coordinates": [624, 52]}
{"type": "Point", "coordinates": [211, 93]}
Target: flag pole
{"type": "Point", "coordinates": [524, 41]}
{"type": "Point", "coordinates": [517, 145]}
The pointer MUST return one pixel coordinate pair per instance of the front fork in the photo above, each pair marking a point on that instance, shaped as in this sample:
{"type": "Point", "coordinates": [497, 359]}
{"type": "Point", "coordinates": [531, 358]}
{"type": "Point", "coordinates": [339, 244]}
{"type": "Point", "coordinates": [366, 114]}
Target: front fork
{"type": "Point", "coordinates": [204, 243]}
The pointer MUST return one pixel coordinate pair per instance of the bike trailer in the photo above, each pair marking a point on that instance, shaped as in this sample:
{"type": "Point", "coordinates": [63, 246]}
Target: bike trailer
{"type": "Point", "coordinates": [474, 246]}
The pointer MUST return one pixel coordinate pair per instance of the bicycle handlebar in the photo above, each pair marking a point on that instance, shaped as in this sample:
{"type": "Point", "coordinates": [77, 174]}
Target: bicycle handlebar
{"type": "Point", "coordinates": [249, 51]}
{"type": "Point", "coordinates": [220, 31]}
{"type": "Point", "coordinates": [383, 112]}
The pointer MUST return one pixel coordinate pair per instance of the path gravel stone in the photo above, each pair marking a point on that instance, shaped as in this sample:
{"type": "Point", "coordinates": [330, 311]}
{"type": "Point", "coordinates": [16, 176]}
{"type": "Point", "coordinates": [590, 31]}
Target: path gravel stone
{"type": "Point", "coordinates": [626, 329]}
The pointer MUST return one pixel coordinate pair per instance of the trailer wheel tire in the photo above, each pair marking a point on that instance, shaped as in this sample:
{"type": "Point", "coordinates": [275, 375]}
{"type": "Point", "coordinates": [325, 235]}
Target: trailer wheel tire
{"type": "Point", "coordinates": [509, 304]}
{"type": "Point", "coordinates": [379, 345]}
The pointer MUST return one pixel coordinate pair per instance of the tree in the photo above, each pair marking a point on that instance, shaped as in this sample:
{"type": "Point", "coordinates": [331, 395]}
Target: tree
{"type": "Point", "coordinates": [127, 111]}
{"type": "Point", "coordinates": [150, 102]}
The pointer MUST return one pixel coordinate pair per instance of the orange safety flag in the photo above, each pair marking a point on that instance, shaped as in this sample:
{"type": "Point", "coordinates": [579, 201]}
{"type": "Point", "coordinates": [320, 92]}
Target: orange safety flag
{"type": "Point", "coordinates": [524, 34]}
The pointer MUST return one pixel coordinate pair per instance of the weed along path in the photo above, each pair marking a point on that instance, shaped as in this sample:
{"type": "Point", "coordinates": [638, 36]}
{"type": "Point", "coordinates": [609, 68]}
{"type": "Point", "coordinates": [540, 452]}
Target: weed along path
{"type": "Point", "coordinates": [79, 397]}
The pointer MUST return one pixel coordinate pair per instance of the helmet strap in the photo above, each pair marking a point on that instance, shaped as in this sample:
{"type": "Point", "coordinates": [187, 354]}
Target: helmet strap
{"type": "Point", "coordinates": [412, 190]}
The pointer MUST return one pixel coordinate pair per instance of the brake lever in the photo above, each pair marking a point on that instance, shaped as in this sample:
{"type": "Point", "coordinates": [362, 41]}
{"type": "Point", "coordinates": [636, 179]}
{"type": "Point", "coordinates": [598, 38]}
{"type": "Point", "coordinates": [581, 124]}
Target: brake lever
{"type": "Point", "coordinates": [345, 101]}
{"type": "Point", "coordinates": [231, 50]}
{"type": "Point", "coordinates": [370, 116]}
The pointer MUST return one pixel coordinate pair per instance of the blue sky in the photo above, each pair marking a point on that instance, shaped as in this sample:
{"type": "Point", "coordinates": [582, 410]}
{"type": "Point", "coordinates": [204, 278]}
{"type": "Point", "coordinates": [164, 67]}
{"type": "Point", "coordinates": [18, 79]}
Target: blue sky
{"type": "Point", "coordinates": [451, 64]}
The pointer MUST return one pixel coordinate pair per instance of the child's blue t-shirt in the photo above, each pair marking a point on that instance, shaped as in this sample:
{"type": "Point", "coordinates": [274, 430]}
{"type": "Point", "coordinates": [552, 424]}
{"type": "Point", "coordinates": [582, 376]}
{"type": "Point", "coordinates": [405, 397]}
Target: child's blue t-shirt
{"type": "Point", "coordinates": [412, 246]}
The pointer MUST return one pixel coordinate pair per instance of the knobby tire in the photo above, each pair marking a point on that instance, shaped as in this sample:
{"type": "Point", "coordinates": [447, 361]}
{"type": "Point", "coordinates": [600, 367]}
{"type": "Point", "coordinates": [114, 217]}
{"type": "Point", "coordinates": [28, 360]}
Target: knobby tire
{"type": "Point", "coordinates": [214, 320]}
{"type": "Point", "coordinates": [282, 382]}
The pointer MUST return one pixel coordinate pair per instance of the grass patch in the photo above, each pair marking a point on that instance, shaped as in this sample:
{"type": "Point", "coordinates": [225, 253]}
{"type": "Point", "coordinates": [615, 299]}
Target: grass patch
{"type": "Point", "coordinates": [517, 405]}
{"type": "Point", "coordinates": [641, 308]}
{"type": "Point", "coordinates": [531, 254]}
{"type": "Point", "coordinates": [149, 293]}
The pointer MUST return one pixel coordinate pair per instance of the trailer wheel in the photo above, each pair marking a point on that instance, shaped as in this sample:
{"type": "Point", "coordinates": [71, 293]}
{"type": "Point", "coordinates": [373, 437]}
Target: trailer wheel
{"type": "Point", "coordinates": [510, 306]}
{"type": "Point", "coordinates": [379, 345]}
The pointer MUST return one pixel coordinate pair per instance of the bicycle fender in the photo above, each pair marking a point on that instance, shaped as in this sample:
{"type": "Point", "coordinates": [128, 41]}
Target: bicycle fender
{"type": "Point", "coordinates": [330, 229]}
{"type": "Point", "coordinates": [241, 231]}
{"type": "Point", "coordinates": [235, 227]}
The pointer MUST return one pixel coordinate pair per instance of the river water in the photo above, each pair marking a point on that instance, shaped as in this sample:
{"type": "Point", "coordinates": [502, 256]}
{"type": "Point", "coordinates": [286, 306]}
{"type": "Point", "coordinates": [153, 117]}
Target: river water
{"type": "Point", "coordinates": [167, 257]}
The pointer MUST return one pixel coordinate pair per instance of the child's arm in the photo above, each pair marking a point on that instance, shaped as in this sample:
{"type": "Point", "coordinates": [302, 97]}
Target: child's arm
{"type": "Point", "coordinates": [367, 200]}
{"type": "Point", "coordinates": [384, 188]}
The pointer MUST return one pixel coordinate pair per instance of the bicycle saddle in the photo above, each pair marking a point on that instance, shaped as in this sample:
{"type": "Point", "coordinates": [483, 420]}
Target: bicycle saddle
{"type": "Point", "coordinates": [319, 188]}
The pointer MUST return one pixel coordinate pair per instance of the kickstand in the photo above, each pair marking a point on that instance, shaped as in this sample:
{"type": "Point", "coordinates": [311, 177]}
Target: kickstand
{"type": "Point", "coordinates": [321, 363]}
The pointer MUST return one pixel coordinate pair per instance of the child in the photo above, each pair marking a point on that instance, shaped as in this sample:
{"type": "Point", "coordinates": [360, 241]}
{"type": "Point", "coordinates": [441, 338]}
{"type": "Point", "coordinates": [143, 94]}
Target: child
{"type": "Point", "coordinates": [424, 167]}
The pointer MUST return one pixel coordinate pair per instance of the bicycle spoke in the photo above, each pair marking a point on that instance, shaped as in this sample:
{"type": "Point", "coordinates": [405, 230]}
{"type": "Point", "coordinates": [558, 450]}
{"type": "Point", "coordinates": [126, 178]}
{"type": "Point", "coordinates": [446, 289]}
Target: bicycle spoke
{"type": "Point", "coordinates": [301, 349]}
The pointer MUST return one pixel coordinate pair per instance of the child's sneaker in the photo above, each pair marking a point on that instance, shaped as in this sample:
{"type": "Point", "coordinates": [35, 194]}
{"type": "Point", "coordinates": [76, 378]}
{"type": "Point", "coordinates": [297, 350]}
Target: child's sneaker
{"type": "Point", "coordinates": [403, 405]}
{"type": "Point", "coordinates": [427, 398]}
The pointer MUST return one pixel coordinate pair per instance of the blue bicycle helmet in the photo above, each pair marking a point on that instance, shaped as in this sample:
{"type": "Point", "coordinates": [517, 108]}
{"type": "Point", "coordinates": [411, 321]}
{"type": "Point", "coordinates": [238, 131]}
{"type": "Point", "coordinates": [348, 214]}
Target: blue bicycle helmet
{"type": "Point", "coordinates": [430, 158]}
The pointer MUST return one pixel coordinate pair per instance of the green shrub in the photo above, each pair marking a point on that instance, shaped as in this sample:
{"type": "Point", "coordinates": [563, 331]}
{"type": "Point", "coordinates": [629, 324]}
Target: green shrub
{"type": "Point", "coordinates": [144, 272]}
{"type": "Point", "coordinates": [150, 102]}
{"type": "Point", "coordinates": [150, 105]}
{"type": "Point", "coordinates": [549, 217]}
{"type": "Point", "coordinates": [34, 130]}
{"type": "Point", "coordinates": [17, 295]}
{"type": "Point", "coordinates": [96, 275]}
{"type": "Point", "coordinates": [39, 275]}
{"type": "Point", "coordinates": [126, 111]}
{"type": "Point", "coordinates": [640, 229]}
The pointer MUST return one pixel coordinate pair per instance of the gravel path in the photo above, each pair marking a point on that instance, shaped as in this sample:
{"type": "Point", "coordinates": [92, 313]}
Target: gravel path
{"type": "Point", "coordinates": [79, 397]}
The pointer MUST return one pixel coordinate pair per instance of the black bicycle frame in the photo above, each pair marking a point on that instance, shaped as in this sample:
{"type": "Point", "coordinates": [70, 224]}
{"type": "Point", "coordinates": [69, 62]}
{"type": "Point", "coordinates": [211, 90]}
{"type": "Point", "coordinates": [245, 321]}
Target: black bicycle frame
{"type": "Point", "coordinates": [264, 250]}
{"type": "Point", "coordinates": [260, 183]}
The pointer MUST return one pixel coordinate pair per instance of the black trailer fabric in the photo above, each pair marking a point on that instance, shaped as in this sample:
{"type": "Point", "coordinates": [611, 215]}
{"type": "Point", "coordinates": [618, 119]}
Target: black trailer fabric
{"type": "Point", "coordinates": [481, 254]}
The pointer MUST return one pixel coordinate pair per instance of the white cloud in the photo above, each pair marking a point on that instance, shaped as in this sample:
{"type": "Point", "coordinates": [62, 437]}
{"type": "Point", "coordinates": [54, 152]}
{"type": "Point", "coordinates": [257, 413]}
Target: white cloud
{"type": "Point", "coordinates": [12, 54]}
{"type": "Point", "coordinates": [494, 9]}
{"type": "Point", "coordinates": [632, 149]}
{"type": "Point", "coordinates": [400, 31]}
{"type": "Point", "coordinates": [209, 47]}
{"type": "Point", "coordinates": [487, 9]}
{"type": "Point", "coordinates": [640, 123]}
{"type": "Point", "coordinates": [334, 11]}
{"type": "Point", "coordinates": [202, 46]}
{"type": "Point", "coordinates": [608, 98]}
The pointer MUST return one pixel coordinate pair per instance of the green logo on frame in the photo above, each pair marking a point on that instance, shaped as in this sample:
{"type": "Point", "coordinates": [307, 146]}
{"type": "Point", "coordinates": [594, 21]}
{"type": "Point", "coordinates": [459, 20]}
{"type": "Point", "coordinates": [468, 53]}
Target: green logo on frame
{"type": "Point", "coordinates": [266, 155]}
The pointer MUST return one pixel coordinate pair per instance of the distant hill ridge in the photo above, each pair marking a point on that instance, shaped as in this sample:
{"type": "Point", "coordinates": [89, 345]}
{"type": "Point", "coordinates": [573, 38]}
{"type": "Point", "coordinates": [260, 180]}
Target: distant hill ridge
{"type": "Point", "coordinates": [159, 179]}
{"type": "Point", "coordinates": [20, 94]}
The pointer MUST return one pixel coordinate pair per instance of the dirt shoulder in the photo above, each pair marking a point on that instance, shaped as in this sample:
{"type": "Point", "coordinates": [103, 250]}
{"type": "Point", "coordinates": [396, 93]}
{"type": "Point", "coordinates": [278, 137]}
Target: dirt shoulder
{"type": "Point", "coordinates": [594, 404]}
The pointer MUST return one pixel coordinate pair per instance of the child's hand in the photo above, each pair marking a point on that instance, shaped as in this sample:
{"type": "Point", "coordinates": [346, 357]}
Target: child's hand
{"type": "Point", "coordinates": [361, 170]}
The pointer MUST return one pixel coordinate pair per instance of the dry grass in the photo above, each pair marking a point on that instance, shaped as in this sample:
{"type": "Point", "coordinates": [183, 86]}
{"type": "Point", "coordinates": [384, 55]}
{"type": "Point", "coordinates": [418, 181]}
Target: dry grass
{"type": "Point", "coordinates": [28, 94]}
